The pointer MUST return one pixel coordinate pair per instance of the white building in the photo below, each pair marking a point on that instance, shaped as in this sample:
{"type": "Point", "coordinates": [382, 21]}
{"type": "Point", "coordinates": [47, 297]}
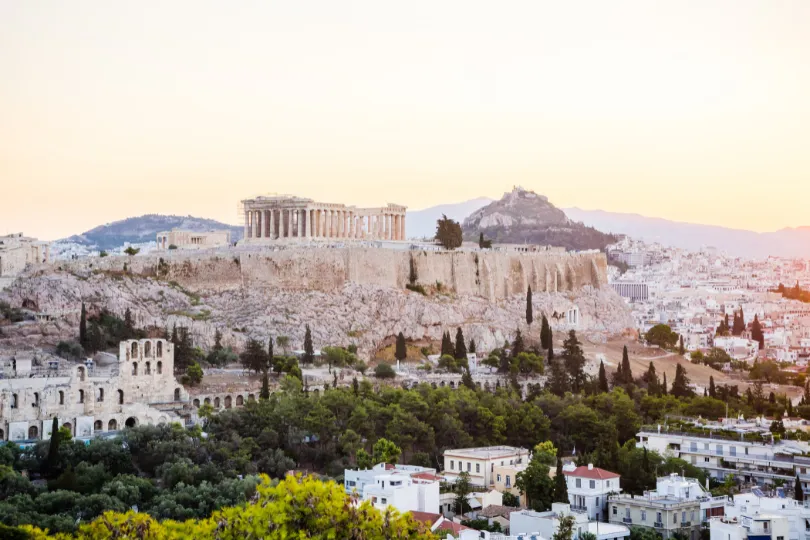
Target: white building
{"type": "Point", "coordinates": [761, 527]}
{"type": "Point", "coordinates": [545, 524]}
{"type": "Point", "coordinates": [756, 504]}
{"type": "Point", "coordinates": [407, 488]}
{"type": "Point", "coordinates": [588, 489]}
{"type": "Point", "coordinates": [480, 463]}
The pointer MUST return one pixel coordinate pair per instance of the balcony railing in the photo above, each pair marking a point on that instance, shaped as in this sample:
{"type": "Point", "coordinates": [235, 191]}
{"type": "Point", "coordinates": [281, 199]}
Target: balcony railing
{"type": "Point", "coordinates": [575, 508]}
{"type": "Point", "coordinates": [658, 525]}
{"type": "Point", "coordinates": [627, 520]}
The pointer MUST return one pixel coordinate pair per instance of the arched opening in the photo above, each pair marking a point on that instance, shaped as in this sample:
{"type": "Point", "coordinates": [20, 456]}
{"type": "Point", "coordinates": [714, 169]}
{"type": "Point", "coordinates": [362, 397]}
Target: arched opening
{"type": "Point", "coordinates": [207, 401]}
{"type": "Point", "coordinates": [131, 422]}
{"type": "Point", "coordinates": [81, 396]}
{"type": "Point", "coordinates": [452, 384]}
{"type": "Point", "coordinates": [441, 384]}
{"type": "Point", "coordinates": [162, 421]}
{"type": "Point", "coordinates": [159, 348]}
{"type": "Point", "coordinates": [251, 397]}
{"type": "Point", "coordinates": [33, 432]}
{"type": "Point", "coordinates": [227, 402]}
{"type": "Point", "coordinates": [36, 400]}
{"type": "Point", "coordinates": [80, 373]}
{"type": "Point", "coordinates": [160, 368]}
{"type": "Point", "coordinates": [216, 402]}
{"type": "Point", "coordinates": [177, 394]}
{"type": "Point", "coordinates": [61, 397]}
{"type": "Point", "coordinates": [120, 397]}
{"type": "Point", "coordinates": [240, 401]}
{"type": "Point", "coordinates": [148, 368]}
{"type": "Point", "coordinates": [112, 425]}
{"type": "Point", "coordinates": [14, 401]}
{"type": "Point", "coordinates": [147, 349]}
{"type": "Point", "coordinates": [433, 384]}
{"type": "Point", "coordinates": [100, 395]}
{"type": "Point", "coordinates": [196, 403]}
{"type": "Point", "coordinates": [98, 425]}
{"type": "Point", "coordinates": [134, 368]}
{"type": "Point", "coordinates": [68, 427]}
{"type": "Point", "coordinates": [316, 392]}
{"type": "Point", "coordinates": [134, 349]}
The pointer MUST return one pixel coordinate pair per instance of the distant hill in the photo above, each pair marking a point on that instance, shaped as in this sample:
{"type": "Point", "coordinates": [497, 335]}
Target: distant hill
{"type": "Point", "coordinates": [422, 223]}
{"type": "Point", "coordinates": [790, 242]}
{"type": "Point", "coordinates": [524, 217]}
{"type": "Point", "coordinates": [144, 228]}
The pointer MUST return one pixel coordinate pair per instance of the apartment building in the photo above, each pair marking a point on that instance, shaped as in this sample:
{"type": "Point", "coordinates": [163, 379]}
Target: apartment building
{"type": "Point", "coordinates": [757, 504]}
{"type": "Point", "coordinates": [721, 455]}
{"type": "Point", "coordinates": [588, 489]}
{"type": "Point", "coordinates": [404, 487]}
{"type": "Point", "coordinates": [545, 524]}
{"type": "Point", "coordinates": [505, 477]}
{"type": "Point", "coordinates": [480, 463]}
{"type": "Point", "coordinates": [667, 515]}
{"type": "Point", "coordinates": [761, 527]}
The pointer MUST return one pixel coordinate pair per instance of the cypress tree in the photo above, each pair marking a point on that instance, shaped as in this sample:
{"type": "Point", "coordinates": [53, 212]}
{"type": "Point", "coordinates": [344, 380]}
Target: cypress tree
{"type": "Point", "coordinates": [603, 382]}
{"type": "Point", "coordinates": [529, 313]}
{"type": "Point", "coordinates": [471, 348]}
{"type": "Point", "coordinates": [712, 389]}
{"type": "Point", "coordinates": [798, 491]}
{"type": "Point", "coordinates": [309, 351]}
{"type": "Point", "coordinates": [551, 352]}
{"type": "Point", "coordinates": [401, 351]}
{"type": "Point", "coordinates": [270, 354]}
{"type": "Point", "coordinates": [651, 379]}
{"type": "Point", "coordinates": [517, 345]}
{"type": "Point", "coordinates": [355, 386]}
{"type": "Point", "coordinates": [545, 340]}
{"type": "Point", "coordinates": [53, 449]}
{"type": "Point", "coordinates": [218, 340]}
{"type": "Point", "coordinates": [460, 350]}
{"type": "Point", "coordinates": [664, 389]}
{"type": "Point", "coordinates": [627, 373]}
{"type": "Point", "coordinates": [560, 487]}
{"type": "Point", "coordinates": [129, 327]}
{"type": "Point", "coordinates": [447, 345]}
{"type": "Point", "coordinates": [83, 327]}
{"type": "Point", "coordinates": [756, 332]}
{"type": "Point", "coordinates": [681, 348]}
{"type": "Point", "coordinates": [265, 392]}
{"type": "Point", "coordinates": [680, 386]}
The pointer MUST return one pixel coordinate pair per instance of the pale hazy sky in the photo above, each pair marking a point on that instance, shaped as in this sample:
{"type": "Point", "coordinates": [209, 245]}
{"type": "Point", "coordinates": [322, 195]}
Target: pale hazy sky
{"type": "Point", "coordinates": [690, 110]}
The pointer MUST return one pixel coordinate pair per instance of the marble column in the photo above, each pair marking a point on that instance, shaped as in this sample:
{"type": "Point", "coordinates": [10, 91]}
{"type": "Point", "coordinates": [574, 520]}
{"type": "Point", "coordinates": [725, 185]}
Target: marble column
{"type": "Point", "coordinates": [299, 215]}
{"type": "Point", "coordinates": [272, 216]}
{"type": "Point", "coordinates": [255, 228]}
{"type": "Point", "coordinates": [402, 232]}
{"type": "Point", "coordinates": [309, 222]}
{"type": "Point", "coordinates": [289, 223]}
{"type": "Point", "coordinates": [247, 225]}
{"type": "Point", "coordinates": [343, 223]}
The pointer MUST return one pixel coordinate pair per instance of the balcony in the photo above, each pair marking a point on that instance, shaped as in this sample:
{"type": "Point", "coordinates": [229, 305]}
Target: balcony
{"type": "Point", "coordinates": [581, 509]}
{"type": "Point", "coordinates": [627, 520]}
{"type": "Point", "coordinates": [658, 525]}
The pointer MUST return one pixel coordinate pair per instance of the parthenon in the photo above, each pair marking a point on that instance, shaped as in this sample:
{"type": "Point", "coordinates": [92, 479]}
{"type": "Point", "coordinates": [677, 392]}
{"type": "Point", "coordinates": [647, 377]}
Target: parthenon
{"type": "Point", "coordinates": [286, 217]}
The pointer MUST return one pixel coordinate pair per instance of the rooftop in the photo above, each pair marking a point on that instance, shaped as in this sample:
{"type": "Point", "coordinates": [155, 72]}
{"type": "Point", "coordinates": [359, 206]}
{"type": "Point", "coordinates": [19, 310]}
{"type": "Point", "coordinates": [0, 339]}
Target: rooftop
{"type": "Point", "coordinates": [487, 452]}
{"type": "Point", "coordinates": [594, 473]}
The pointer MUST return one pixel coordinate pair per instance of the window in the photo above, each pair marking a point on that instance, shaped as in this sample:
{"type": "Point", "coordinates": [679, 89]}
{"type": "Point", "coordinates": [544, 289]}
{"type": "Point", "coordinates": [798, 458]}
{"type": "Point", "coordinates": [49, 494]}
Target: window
{"type": "Point", "coordinates": [134, 368]}
{"type": "Point", "coordinates": [100, 395]}
{"type": "Point", "coordinates": [597, 502]}
{"type": "Point", "coordinates": [477, 468]}
{"type": "Point", "coordinates": [765, 526]}
{"type": "Point", "coordinates": [120, 397]}
{"type": "Point", "coordinates": [160, 368]}
{"type": "Point", "coordinates": [615, 511]}
{"type": "Point", "coordinates": [452, 464]}
{"type": "Point", "coordinates": [508, 481]}
{"type": "Point", "coordinates": [705, 460]}
{"type": "Point", "coordinates": [719, 450]}
{"type": "Point", "coordinates": [81, 396]}
{"type": "Point", "coordinates": [706, 446]}
{"type": "Point", "coordinates": [658, 518]}
{"type": "Point", "coordinates": [469, 466]}
{"type": "Point", "coordinates": [149, 368]}
{"type": "Point", "coordinates": [692, 516]}
{"type": "Point", "coordinates": [384, 501]}
{"type": "Point", "coordinates": [61, 397]}
{"type": "Point", "coordinates": [607, 483]}
{"type": "Point", "coordinates": [499, 478]}
{"type": "Point", "coordinates": [627, 513]}
{"type": "Point", "coordinates": [579, 483]}
{"type": "Point", "coordinates": [643, 515]}
{"type": "Point", "coordinates": [14, 401]}
{"type": "Point", "coordinates": [36, 402]}
{"type": "Point", "coordinates": [683, 516]}
{"type": "Point", "coordinates": [674, 517]}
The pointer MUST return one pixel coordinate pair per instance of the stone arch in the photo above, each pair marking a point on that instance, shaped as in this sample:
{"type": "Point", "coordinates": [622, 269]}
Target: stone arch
{"type": "Point", "coordinates": [67, 426]}
{"type": "Point", "coordinates": [196, 403]}
{"type": "Point", "coordinates": [131, 422]}
{"type": "Point", "coordinates": [162, 421]}
{"type": "Point", "coordinates": [147, 349]}
{"type": "Point", "coordinates": [452, 384]}
{"type": "Point", "coordinates": [120, 397]}
{"type": "Point", "coordinates": [317, 391]}
{"type": "Point", "coordinates": [177, 394]}
{"type": "Point", "coordinates": [216, 402]}
{"type": "Point", "coordinates": [100, 395]}
{"type": "Point", "coordinates": [80, 372]}
{"type": "Point", "coordinates": [134, 369]}
{"type": "Point", "coordinates": [81, 396]}
{"type": "Point", "coordinates": [148, 368]}
{"type": "Point", "coordinates": [251, 397]}
{"type": "Point", "coordinates": [207, 401]}
{"type": "Point", "coordinates": [98, 425]}
{"type": "Point", "coordinates": [33, 432]}
{"type": "Point", "coordinates": [112, 425]}
{"type": "Point", "coordinates": [61, 397]}
{"type": "Point", "coordinates": [159, 349]}
{"type": "Point", "coordinates": [160, 368]}
{"type": "Point", "coordinates": [27, 303]}
{"type": "Point", "coordinates": [433, 384]}
{"type": "Point", "coordinates": [134, 349]}
{"type": "Point", "coordinates": [240, 401]}
{"type": "Point", "coordinates": [36, 400]}
{"type": "Point", "coordinates": [15, 401]}
{"type": "Point", "coordinates": [228, 402]}
{"type": "Point", "coordinates": [441, 384]}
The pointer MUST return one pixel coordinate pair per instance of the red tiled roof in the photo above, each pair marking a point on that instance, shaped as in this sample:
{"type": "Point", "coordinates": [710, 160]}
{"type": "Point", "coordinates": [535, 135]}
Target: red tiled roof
{"type": "Point", "coordinates": [451, 526]}
{"type": "Point", "coordinates": [426, 517]}
{"type": "Point", "coordinates": [595, 474]}
{"type": "Point", "coordinates": [426, 476]}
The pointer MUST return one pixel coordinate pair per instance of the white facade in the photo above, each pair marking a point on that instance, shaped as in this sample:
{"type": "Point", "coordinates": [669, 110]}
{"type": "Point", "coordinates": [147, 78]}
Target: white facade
{"type": "Point", "coordinates": [588, 489]}
{"type": "Point", "coordinates": [751, 505]}
{"type": "Point", "coordinates": [407, 488]}
{"type": "Point", "coordinates": [480, 463]}
{"type": "Point", "coordinates": [762, 527]}
{"type": "Point", "coordinates": [545, 524]}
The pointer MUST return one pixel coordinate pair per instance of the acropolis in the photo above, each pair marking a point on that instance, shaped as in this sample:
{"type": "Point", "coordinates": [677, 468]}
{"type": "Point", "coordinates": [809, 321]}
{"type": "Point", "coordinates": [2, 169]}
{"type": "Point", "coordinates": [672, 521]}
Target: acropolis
{"type": "Point", "coordinates": [287, 217]}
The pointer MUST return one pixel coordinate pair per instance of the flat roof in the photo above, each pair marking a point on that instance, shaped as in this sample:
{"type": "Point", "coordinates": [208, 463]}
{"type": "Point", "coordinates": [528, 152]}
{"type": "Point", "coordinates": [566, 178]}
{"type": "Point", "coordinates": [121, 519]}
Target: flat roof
{"type": "Point", "coordinates": [486, 452]}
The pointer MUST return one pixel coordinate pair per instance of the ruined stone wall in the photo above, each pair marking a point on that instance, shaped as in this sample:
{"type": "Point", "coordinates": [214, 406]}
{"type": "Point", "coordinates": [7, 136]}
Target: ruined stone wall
{"type": "Point", "coordinates": [492, 275]}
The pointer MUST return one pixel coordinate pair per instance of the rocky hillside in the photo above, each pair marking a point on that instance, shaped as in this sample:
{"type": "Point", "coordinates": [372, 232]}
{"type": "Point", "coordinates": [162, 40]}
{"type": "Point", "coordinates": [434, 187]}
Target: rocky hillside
{"type": "Point", "coordinates": [144, 228]}
{"type": "Point", "coordinates": [524, 217]}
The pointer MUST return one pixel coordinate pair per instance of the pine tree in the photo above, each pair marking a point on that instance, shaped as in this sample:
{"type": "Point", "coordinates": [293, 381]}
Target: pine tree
{"type": "Point", "coordinates": [664, 389]}
{"type": "Point", "coordinates": [574, 361]}
{"type": "Point", "coordinates": [460, 350]}
{"type": "Point", "coordinates": [401, 350]}
{"type": "Point", "coordinates": [53, 449]}
{"type": "Point", "coordinates": [558, 383]}
{"type": "Point", "coordinates": [545, 341]}
{"type": "Point", "coordinates": [739, 323]}
{"type": "Point", "coordinates": [680, 386]}
{"type": "Point", "coordinates": [560, 487]}
{"type": "Point", "coordinates": [265, 392]}
{"type": "Point", "coordinates": [218, 340]}
{"type": "Point", "coordinates": [355, 386]}
{"type": "Point", "coordinates": [529, 313]}
{"type": "Point", "coordinates": [712, 389]}
{"type": "Point", "coordinates": [798, 490]}
{"type": "Point", "coordinates": [681, 348]}
{"type": "Point", "coordinates": [603, 382]}
{"type": "Point", "coordinates": [309, 351]}
{"type": "Point", "coordinates": [83, 327]}
{"type": "Point", "coordinates": [651, 380]}
{"type": "Point", "coordinates": [517, 345]}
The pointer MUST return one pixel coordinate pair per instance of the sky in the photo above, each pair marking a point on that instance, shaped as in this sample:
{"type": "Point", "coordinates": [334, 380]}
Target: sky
{"type": "Point", "coordinates": [695, 111]}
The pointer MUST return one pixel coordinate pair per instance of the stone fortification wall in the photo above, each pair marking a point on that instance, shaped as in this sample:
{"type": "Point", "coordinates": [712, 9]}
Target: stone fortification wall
{"type": "Point", "coordinates": [490, 275]}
